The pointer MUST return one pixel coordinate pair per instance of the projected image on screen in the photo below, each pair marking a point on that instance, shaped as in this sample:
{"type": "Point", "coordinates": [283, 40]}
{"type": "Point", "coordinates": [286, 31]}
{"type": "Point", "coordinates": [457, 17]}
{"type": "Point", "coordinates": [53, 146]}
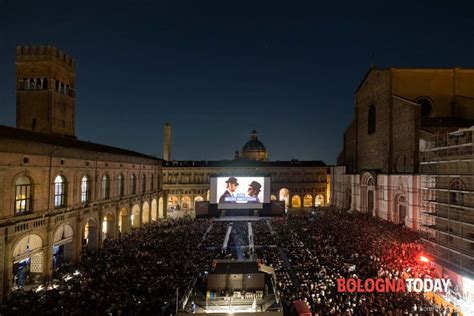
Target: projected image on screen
{"type": "Point", "coordinates": [239, 192]}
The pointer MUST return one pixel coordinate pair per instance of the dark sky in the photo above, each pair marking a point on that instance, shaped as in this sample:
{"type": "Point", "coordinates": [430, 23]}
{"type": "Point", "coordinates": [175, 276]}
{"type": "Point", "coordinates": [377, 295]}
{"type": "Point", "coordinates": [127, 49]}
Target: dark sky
{"type": "Point", "coordinates": [218, 69]}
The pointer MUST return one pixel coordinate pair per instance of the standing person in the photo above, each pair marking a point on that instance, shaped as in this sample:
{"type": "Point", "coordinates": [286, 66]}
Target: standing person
{"type": "Point", "coordinates": [231, 186]}
{"type": "Point", "coordinates": [253, 191]}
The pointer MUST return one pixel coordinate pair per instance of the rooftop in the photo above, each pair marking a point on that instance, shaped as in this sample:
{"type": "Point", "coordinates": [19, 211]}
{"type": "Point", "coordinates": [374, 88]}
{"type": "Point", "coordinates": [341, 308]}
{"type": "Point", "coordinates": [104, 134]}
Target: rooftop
{"type": "Point", "coordinates": [7, 132]}
{"type": "Point", "coordinates": [244, 163]}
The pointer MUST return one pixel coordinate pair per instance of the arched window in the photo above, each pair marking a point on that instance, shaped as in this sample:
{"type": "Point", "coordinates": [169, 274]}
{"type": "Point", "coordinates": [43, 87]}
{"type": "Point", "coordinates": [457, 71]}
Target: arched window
{"type": "Point", "coordinates": [143, 183]}
{"type": "Point", "coordinates": [426, 106]}
{"type": "Point", "coordinates": [85, 189]}
{"type": "Point", "coordinates": [105, 187]}
{"type": "Point", "coordinates": [371, 119]}
{"type": "Point", "coordinates": [133, 184]}
{"type": "Point", "coordinates": [22, 195]}
{"type": "Point", "coordinates": [152, 182]}
{"type": "Point", "coordinates": [59, 191]}
{"type": "Point", "coordinates": [120, 185]}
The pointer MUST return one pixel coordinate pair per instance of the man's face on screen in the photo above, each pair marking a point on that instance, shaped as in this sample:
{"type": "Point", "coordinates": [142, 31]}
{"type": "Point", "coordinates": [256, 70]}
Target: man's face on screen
{"type": "Point", "coordinates": [231, 187]}
{"type": "Point", "coordinates": [251, 191]}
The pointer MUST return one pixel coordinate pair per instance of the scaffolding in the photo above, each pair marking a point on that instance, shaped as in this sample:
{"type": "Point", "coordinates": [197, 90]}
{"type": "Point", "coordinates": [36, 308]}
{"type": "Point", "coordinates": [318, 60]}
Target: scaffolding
{"type": "Point", "coordinates": [447, 198]}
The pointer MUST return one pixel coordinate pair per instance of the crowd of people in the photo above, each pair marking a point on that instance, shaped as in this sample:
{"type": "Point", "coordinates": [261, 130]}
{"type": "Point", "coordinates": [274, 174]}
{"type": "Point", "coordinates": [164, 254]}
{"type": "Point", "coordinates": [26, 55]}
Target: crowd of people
{"type": "Point", "coordinates": [140, 273]}
{"type": "Point", "coordinates": [215, 236]}
{"type": "Point", "coordinates": [135, 275]}
{"type": "Point", "coordinates": [330, 245]}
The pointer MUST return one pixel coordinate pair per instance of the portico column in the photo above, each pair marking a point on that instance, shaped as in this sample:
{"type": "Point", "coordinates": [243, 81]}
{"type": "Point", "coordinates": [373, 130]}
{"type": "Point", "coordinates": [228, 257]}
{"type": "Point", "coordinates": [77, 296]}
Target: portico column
{"type": "Point", "coordinates": [48, 254]}
{"type": "Point", "coordinates": [5, 261]}
{"type": "Point", "coordinates": [165, 204]}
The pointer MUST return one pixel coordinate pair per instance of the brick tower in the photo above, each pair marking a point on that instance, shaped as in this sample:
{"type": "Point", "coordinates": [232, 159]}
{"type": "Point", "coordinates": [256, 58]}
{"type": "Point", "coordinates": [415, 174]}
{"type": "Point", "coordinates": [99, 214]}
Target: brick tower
{"type": "Point", "coordinates": [167, 141]}
{"type": "Point", "coordinates": [45, 90]}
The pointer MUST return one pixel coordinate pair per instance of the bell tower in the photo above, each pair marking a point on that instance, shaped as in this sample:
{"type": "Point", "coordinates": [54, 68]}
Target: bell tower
{"type": "Point", "coordinates": [45, 90]}
{"type": "Point", "coordinates": [167, 141]}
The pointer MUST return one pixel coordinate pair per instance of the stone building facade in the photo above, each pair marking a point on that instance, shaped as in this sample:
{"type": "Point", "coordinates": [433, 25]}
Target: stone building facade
{"type": "Point", "coordinates": [378, 168]}
{"type": "Point", "coordinates": [378, 171]}
{"type": "Point", "coordinates": [301, 184]}
{"type": "Point", "coordinates": [59, 195]}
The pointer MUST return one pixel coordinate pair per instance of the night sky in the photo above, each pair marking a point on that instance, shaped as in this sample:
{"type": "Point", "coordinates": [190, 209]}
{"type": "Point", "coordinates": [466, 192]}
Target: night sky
{"type": "Point", "coordinates": [218, 69]}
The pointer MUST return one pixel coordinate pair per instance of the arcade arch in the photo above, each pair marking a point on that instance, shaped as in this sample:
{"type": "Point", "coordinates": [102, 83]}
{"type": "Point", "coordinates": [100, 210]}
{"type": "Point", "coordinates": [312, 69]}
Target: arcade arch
{"type": "Point", "coordinates": [186, 203]}
{"type": "Point", "coordinates": [124, 221]}
{"type": "Point", "coordinates": [296, 201]}
{"type": "Point", "coordinates": [198, 199]}
{"type": "Point", "coordinates": [135, 218]}
{"type": "Point", "coordinates": [308, 200]}
{"type": "Point", "coordinates": [173, 203]}
{"type": "Point", "coordinates": [63, 246]}
{"type": "Point", "coordinates": [90, 236]}
{"type": "Point", "coordinates": [28, 261]}
{"type": "Point", "coordinates": [160, 208]}
{"type": "Point", "coordinates": [285, 196]}
{"type": "Point", "coordinates": [145, 213]}
{"type": "Point", "coordinates": [319, 200]}
{"type": "Point", "coordinates": [108, 226]}
{"type": "Point", "coordinates": [154, 210]}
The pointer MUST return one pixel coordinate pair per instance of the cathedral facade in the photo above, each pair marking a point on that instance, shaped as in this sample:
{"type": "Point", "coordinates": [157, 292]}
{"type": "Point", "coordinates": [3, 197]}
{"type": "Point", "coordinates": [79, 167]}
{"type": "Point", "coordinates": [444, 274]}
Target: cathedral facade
{"type": "Point", "coordinates": [384, 166]}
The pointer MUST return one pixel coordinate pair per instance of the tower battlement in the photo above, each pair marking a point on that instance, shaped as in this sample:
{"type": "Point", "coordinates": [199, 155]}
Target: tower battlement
{"type": "Point", "coordinates": [45, 90]}
{"type": "Point", "coordinates": [44, 53]}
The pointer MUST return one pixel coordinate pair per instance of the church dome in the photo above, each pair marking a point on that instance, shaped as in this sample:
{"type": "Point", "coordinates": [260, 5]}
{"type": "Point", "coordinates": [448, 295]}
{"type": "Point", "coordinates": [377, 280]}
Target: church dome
{"type": "Point", "coordinates": [254, 149]}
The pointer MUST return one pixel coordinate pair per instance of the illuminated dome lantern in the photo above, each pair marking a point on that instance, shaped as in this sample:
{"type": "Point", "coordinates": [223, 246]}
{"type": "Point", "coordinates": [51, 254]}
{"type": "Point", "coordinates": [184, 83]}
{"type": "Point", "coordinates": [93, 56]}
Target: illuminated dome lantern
{"type": "Point", "coordinates": [254, 149]}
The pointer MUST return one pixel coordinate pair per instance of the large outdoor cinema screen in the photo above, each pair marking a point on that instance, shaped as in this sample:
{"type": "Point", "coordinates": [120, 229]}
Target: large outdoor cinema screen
{"type": "Point", "coordinates": [236, 192]}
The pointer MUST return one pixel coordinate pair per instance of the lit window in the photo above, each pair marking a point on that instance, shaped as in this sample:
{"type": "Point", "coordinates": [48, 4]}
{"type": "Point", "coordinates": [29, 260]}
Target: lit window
{"type": "Point", "coordinates": [85, 189]}
{"type": "Point", "coordinates": [59, 191]}
{"type": "Point", "coordinates": [22, 195]}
